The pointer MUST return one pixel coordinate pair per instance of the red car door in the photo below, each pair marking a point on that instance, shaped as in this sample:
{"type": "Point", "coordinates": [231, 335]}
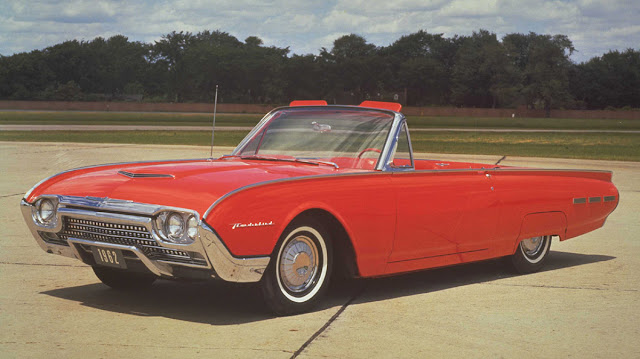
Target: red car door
{"type": "Point", "coordinates": [443, 213]}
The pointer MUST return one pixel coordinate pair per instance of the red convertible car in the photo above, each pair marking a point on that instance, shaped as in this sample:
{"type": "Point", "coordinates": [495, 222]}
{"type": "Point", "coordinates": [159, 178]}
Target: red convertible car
{"type": "Point", "coordinates": [311, 191]}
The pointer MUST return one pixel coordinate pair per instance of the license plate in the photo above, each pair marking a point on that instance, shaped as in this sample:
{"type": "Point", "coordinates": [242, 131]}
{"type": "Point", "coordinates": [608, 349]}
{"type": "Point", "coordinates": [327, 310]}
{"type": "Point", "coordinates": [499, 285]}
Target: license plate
{"type": "Point", "coordinates": [109, 257]}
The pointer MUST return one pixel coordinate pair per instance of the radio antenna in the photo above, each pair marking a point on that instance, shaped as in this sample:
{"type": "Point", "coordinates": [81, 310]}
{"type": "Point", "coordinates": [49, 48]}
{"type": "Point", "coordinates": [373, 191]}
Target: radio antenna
{"type": "Point", "coordinates": [213, 127]}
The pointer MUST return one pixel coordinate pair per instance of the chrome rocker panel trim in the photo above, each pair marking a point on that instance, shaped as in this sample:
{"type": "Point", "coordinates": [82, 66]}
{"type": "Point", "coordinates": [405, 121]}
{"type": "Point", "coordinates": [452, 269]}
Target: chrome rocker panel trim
{"type": "Point", "coordinates": [208, 244]}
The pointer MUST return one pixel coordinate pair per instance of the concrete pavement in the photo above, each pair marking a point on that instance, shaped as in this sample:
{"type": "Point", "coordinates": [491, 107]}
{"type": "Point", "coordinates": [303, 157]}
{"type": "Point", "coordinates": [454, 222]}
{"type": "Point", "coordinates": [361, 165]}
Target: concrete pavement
{"type": "Point", "coordinates": [584, 304]}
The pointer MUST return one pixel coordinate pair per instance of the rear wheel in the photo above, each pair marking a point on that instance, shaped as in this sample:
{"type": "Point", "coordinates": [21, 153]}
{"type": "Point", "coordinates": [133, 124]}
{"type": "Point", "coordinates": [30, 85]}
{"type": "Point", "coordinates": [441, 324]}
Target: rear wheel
{"type": "Point", "coordinates": [121, 279]}
{"type": "Point", "coordinates": [531, 254]}
{"type": "Point", "coordinates": [299, 272]}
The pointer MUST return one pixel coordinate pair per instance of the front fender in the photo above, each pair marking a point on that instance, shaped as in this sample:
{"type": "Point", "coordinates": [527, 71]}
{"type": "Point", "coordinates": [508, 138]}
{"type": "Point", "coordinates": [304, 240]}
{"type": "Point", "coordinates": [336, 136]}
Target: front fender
{"type": "Point", "coordinates": [251, 220]}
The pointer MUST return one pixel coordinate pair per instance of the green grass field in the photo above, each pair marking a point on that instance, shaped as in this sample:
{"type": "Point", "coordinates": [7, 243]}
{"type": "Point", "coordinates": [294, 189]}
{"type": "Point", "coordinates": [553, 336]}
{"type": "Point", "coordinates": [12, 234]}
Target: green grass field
{"type": "Point", "coordinates": [124, 118]}
{"type": "Point", "coordinates": [249, 120]}
{"type": "Point", "coordinates": [522, 123]}
{"type": "Point", "coordinates": [604, 146]}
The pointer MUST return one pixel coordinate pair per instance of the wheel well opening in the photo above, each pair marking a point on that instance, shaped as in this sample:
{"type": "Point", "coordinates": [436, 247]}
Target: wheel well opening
{"type": "Point", "coordinates": [344, 255]}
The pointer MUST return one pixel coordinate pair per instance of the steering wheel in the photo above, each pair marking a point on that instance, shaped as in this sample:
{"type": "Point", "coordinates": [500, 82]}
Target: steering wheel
{"type": "Point", "coordinates": [370, 149]}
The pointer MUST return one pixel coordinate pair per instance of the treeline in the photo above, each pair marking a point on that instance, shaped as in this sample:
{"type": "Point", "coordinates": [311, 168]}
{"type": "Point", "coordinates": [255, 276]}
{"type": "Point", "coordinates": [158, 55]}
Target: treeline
{"type": "Point", "coordinates": [421, 69]}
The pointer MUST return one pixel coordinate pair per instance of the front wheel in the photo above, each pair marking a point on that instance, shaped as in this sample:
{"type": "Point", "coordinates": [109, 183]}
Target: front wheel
{"type": "Point", "coordinates": [122, 279]}
{"type": "Point", "coordinates": [300, 269]}
{"type": "Point", "coordinates": [531, 254]}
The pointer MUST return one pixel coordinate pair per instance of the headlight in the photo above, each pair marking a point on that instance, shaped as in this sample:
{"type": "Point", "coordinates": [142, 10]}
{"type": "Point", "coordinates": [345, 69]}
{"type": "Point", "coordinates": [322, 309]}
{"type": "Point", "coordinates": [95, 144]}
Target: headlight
{"type": "Point", "coordinates": [45, 211]}
{"type": "Point", "coordinates": [192, 227]}
{"type": "Point", "coordinates": [176, 227]}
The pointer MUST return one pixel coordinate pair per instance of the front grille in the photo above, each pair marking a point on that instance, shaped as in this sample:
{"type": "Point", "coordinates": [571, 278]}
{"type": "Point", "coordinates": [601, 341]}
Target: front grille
{"type": "Point", "coordinates": [123, 234]}
{"type": "Point", "coordinates": [126, 234]}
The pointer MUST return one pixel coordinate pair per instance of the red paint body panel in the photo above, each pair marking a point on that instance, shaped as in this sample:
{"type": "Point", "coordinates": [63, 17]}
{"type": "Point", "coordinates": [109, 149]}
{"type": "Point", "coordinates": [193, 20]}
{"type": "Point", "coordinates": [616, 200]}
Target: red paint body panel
{"type": "Point", "coordinates": [441, 213]}
{"type": "Point", "coordinates": [196, 184]}
{"type": "Point", "coordinates": [538, 191]}
{"type": "Point", "coordinates": [415, 220]}
{"type": "Point", "coordinates": [541, 224]}
{"type": "Point", "coordinates": [362, 203]}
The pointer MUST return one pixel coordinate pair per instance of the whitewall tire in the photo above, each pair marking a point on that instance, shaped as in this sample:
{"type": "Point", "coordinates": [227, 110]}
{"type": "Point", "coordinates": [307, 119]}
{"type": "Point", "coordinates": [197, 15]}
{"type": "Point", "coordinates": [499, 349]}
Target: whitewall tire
{"type": "Point", "coordinates": [531, 254]}
{"type": "Point", "coordinates": [300, 268]}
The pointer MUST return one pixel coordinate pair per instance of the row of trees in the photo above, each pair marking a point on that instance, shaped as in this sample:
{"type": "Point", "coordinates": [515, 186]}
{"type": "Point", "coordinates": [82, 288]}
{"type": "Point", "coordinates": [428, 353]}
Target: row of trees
{"type": "Point", "coordinates": [479, 70]}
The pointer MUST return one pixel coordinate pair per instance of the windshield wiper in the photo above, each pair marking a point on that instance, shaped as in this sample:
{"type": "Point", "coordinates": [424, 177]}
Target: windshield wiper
{"type": "Point", "coordinates": [256, 157]}
{"type": "Point", "coordinates": [266, 158]}
{"type": "Point", "coordinates": [288, 159]}
{"type": "Point", "coordinates": [317, 162]}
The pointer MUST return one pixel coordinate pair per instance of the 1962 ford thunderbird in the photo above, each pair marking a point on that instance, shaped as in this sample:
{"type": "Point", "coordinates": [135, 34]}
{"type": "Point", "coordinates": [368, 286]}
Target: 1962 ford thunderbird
{"type": "Point", "coordinates": [311, 191]}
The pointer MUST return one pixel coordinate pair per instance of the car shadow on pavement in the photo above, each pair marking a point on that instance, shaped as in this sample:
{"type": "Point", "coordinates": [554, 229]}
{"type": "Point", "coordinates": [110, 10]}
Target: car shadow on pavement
{"type": "Point", "coordinates": [465, 274]}
{"type": "Point", "coordinates": [208, 302]}
{"type": "Point", "coordinates": [220, 303]}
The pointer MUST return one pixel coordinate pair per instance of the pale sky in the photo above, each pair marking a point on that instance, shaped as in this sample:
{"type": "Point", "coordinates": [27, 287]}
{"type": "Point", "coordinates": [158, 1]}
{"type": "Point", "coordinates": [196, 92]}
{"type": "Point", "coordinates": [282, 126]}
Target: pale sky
{"type": "Point", "coordinates": [594, 26]}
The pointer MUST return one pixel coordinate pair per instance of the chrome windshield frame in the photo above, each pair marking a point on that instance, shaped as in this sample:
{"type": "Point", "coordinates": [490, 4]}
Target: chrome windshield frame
{"type": "Point", "coordinates": [255, 130]}
{"type": "Point", "coordinates": [386, 156]}
{"type": "Point", "coordinates": [391, 144]}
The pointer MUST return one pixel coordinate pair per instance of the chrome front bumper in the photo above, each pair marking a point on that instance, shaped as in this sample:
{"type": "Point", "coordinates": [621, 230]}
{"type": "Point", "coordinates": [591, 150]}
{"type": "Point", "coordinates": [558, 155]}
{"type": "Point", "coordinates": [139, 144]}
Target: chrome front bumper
{"type": "Point", "coordinates": [208, 253]}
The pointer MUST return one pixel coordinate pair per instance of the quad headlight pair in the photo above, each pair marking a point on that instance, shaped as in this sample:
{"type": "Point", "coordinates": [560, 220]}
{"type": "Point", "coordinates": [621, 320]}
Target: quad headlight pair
{"type": "Point", "coordinates": [176, 227]}
{"type": "Point", "coordinates": [171, 226]}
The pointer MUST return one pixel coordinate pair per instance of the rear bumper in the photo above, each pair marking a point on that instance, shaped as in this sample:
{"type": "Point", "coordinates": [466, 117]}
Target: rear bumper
{"type": "Point", "coordinates": [207, 254]}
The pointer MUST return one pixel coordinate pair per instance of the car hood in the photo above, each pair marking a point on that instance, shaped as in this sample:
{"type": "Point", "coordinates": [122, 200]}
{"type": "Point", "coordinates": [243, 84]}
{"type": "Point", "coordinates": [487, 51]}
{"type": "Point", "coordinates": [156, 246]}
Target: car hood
{"type": "Point", "coordinates": [186, 184]}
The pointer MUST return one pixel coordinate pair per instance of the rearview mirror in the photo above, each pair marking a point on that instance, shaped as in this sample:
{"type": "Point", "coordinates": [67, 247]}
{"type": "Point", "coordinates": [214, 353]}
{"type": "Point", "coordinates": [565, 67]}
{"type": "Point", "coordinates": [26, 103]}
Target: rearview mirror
{"type": "Point", "coordinates": [318, 127]}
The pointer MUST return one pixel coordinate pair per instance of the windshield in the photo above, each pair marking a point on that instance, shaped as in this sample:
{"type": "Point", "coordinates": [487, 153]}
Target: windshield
{"type": "Point", "coordinates": [352, 138]}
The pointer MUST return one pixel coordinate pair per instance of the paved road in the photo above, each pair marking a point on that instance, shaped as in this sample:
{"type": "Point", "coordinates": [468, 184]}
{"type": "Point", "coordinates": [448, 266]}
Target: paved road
{"type": "Point", "coordinates": [583, 305]}
{"type": "Point", "coordinates": [242, 128]}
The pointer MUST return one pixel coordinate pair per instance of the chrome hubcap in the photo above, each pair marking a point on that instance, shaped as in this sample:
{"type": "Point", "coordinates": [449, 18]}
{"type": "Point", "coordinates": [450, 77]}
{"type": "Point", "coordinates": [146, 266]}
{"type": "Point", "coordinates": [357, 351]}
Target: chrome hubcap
{"type": "Point", "coordinates": [532, 246]}
{"type": "Point", "coordinates": [299, 264]}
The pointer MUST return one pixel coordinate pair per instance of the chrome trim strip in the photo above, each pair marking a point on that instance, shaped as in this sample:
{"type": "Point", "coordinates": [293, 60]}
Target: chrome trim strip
{"type": "Point", "coordinates": [390, 144]}
{"type": "Point", "coordinates": [252, 133]}
{"type": "Point", "coordinates": [406, 128]}
{"type": "Point", "coordinates": [609, 198]}
{"type": "Point", "coordinates": [388, 166]}
{"type": "Point", "coordinates": [368, 173]}
{"type": "Point", "coordinates": [258, 184]}
{"type": "Point", "coordinates": [228, 267]}
{"type": "Point", "coordinates": [125, 207]}
{"type": "Point", "coordinates": [66, 251]}
{"type": "Point", "coordinates": [595, 199]}
{"type": "Point", "coordinates": [440, 255]}
{"type": "Point", "coordinates": [579, 200]}
{"type": "Point", "coordinates": [502, 169]}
